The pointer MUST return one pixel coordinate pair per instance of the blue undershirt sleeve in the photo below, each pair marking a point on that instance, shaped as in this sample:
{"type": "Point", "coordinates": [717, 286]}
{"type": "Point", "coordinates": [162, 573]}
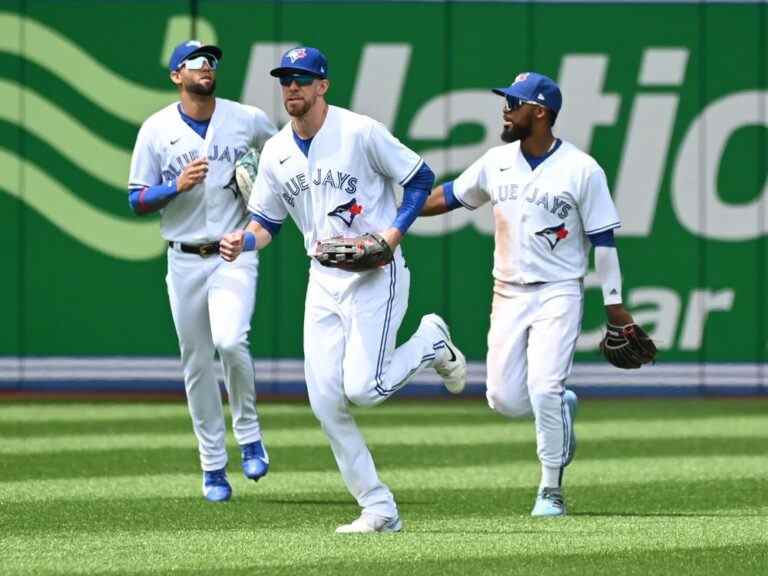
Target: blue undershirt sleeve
{"type": "Point", "coordinates": [451, 202]}
{"type": "Point", "coordinates": [602, 238]}
{"type": "Point", "coordinates": [415, 194]}
{"type": "Point", "coordinates": [151, 198]}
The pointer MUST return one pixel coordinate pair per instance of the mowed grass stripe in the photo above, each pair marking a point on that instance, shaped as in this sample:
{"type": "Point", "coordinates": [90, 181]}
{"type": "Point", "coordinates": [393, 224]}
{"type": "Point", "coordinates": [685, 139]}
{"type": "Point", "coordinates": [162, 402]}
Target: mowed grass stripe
{"type": "Point", "coordinates": [392, 411]}
{"type": "Point", "coordinates": [682, 503]}
{"type": "Point", "coordinates": [491, 475]}
{"type": "Point", "coordinates": [150, 460]}
{"type": "Point", "coordinates": [507, 431]}
{"type": "Point", "coordinates": [518, 539]}
{"type": "Point", "coordinates": [699, 499]}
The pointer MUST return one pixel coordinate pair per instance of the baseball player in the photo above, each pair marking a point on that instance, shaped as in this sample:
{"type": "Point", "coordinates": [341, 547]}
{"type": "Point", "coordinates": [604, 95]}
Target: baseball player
{"type": "Point", "coordinates": [332, 171]}
{"type": "Point", "coordinates": [550, 203]}
{"type": "Point", "coordinates": [183, 166]}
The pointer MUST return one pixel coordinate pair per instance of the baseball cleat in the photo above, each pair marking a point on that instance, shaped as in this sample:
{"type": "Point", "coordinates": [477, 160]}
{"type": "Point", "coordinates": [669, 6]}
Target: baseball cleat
{"type": "Point", "coordinates": [572, 401]}
{"type": "Point", "coordinates": [549, 503]}
{"type": "Point", "coordinates": [216, 488]}
{"type": "Point", "coordinates": [255, 460]}
{"type": "Point", "coordinates": [452, 368]}
{"type": "Point", "coordinates": [368, 523]}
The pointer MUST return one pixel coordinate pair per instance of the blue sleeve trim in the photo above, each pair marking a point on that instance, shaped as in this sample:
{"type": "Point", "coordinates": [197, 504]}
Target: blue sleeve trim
{"type": "Point", "coordinates": [604, 238]}
{"type": "Point", "coordinates": [151, 198]}
{"type": "Point", "coordinates": [269, 225]}
{"type": "Point", "coordinates": [423, 178]}
{"type": "Point", "coordinates": [603, 228]}
{"type": "Point", "coordinates": [415, 170]}
{"type": "Point", "coordinates": [451, 202]}
{"type": "Point", "coordinates": [415, 195]}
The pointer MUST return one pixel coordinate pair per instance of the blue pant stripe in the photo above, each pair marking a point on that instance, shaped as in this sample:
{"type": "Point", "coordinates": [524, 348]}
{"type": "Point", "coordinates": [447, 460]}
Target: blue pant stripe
{"type": "Point", "coordinates": [384, 392]}
{"type": "Point", "coordinates": [385, 329]}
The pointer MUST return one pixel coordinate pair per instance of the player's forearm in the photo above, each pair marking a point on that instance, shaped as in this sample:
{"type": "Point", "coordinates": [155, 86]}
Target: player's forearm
{"type": "Point", "coordinates": [415, 194]}
{"type": "Point", "coordinates": [609, 272]}
{"type": "Point", "coordinates": [261, 235]}
{"type": "Point", "coordinates": [150, 199]}
{"type": "Point", "coordinates": [441, 200]}
{"type": "Point", "coordinates": [435, 203]}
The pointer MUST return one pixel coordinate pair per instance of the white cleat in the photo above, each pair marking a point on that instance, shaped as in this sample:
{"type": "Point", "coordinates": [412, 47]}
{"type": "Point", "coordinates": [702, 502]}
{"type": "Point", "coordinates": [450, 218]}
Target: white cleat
{"type": "Point", "coordinates": [368, 523]}
{"type": "Point", "coordinates": [452, 368]}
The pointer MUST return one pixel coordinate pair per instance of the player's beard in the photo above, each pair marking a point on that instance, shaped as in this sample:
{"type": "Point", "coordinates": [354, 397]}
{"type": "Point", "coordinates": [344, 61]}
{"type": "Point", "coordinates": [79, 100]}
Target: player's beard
{"type": "Point", "coordinates": [201, 89]}
{"type": "Point", "coordinates": [300, 110]}
{"type": "Point", "coordinates": [515, 132]}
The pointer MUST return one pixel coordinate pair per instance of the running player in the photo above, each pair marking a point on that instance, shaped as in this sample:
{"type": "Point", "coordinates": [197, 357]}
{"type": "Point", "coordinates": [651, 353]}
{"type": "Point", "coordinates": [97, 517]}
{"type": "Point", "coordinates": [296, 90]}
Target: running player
{"type": "Point", "coordinates": [183, 166]}
{"type": "Point", "coordinates": [550, 203]}
{"type": "Point", "coordinates": [333, 171]}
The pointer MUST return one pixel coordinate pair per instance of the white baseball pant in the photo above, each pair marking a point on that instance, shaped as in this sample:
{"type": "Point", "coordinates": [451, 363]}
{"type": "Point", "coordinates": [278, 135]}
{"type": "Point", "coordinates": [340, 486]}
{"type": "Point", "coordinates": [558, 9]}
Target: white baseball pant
{"type": "Point", "coordinates": [350, 327]}
{"type": "Point", "coordinates": [212, 303]}
{"type": "Point", "coordinates": [531, 343]}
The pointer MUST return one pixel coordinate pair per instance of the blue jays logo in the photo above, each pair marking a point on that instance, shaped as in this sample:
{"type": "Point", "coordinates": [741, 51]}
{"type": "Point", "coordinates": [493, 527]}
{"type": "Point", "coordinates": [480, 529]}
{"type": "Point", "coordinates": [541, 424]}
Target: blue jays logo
{"type": "Point", "coordinates": [297, 54]}
{"type": "Point", "coordinates": [553, 234]}
{"type": "Point", "coordinates": [521, 78]}
{"type": "Point", "coordinates": [347, 212]}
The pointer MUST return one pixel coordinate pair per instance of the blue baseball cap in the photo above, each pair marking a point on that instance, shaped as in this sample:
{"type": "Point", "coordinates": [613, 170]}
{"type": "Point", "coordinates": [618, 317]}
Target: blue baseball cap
{"type": "Point", "coordinates": [533, 87]}
{"type": "Point", "coordinates": [191, 48]}
{"type": "Point", "coordinates": [302, 60]}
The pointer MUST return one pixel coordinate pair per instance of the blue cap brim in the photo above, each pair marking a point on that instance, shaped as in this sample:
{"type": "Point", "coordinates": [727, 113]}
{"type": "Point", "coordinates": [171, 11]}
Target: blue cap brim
{"type": "Point", "coordinates": [508, 91]}
{"type": "Point", "coordinates": [288, 70]}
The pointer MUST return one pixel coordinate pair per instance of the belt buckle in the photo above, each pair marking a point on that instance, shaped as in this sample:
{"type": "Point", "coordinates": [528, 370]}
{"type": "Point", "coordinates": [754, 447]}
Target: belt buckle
{"type": "Point", "coordinates": [208, 250]}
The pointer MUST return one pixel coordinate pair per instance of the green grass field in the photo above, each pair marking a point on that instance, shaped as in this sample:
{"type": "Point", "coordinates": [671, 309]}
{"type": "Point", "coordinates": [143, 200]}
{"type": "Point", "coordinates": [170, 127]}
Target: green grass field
{"type": "Point", "coordinates": [657, 487]}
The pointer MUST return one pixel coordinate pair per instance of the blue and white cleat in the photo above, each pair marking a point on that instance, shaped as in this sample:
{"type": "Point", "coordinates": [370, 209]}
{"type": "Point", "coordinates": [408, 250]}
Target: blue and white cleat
{"type": "Point", "coordinates": [216, 488]}
{"type": "Point", "coordinates": [572, 401]}
{"type": "Point", "coordinates": [368, 523]}
{"type": "Point", "coordinates": [549, 503]}
{"type": "Point", "coordinates": [255, 460]}
{"type": "Point", "coordinates": [452, 368]}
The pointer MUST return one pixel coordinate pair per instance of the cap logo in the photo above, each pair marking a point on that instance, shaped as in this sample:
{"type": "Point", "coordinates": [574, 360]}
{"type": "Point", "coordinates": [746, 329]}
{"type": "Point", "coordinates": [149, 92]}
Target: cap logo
{"type": "Point", "coordinates": [297, 54]}
{"type": "Point", "coordinates": [541, 96]}
{"type": "Point", "coordinates": [195, 43]}
{"type": "Point", "coordinates": [521, 78]}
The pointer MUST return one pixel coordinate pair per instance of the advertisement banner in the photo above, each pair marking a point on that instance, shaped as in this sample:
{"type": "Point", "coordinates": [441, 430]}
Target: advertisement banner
{"type": "Point", "coordinates": [670, 98]}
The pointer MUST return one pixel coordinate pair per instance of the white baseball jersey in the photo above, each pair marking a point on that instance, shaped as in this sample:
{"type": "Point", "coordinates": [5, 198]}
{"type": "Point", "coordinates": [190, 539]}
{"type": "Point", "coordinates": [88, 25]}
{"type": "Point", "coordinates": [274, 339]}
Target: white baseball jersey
{"type": "Point", "coordinates": [166, 144]}
{"type": "Point", "coordinates": [542, 216]}
{"type": "Point", "coordinates": [345, 187]}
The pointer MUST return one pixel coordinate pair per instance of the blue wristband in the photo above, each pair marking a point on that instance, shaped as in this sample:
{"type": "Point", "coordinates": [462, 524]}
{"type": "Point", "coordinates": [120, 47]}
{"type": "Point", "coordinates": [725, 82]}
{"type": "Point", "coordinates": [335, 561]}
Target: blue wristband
{"type": "Point", "coordinates": [249, 241]}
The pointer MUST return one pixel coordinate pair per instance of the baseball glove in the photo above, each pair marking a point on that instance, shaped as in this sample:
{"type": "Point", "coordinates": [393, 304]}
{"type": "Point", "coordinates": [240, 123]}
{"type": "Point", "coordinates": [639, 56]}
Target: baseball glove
{"type": "Point", "coordinates": [354, 254]}
{"type": "Point", "coordinates": [246, 169]}
{"type": "Point", "coordinates": [627, 346]}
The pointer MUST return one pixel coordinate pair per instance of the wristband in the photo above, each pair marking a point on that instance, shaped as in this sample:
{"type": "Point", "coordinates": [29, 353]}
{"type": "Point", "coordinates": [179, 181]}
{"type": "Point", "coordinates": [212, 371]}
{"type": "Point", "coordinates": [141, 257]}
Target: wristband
{"type": "Point", "coordinates": [249, 241]}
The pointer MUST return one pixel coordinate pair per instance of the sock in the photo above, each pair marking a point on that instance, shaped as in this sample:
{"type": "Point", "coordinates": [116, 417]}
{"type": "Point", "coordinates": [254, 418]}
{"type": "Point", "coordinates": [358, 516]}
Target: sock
{"type": "Point", "coordinates": [550, 477]}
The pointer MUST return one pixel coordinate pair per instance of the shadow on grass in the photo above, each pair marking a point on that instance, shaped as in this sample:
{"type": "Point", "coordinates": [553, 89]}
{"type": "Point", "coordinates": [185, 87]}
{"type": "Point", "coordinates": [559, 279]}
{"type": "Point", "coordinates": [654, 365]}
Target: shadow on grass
{"type": "Point", "coordinates": [312, 510]}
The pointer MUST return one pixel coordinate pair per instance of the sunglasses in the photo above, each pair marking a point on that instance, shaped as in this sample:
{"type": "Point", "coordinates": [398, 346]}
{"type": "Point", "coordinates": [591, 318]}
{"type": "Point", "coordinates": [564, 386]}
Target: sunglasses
{"type": "Point", "coordinates": [300, 79]}
{"type": "Point", "coordinates": [198, 62]}
{"type": "Point", "coordinates": [513, 103]}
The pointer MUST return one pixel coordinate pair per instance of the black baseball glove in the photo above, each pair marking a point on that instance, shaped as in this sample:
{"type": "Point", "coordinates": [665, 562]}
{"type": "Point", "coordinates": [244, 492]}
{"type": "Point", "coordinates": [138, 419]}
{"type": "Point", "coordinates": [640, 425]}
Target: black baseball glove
{"type": "Point", "coordinates": [354, 254]}
{"type": "Point", "coordinates": [627, 346]}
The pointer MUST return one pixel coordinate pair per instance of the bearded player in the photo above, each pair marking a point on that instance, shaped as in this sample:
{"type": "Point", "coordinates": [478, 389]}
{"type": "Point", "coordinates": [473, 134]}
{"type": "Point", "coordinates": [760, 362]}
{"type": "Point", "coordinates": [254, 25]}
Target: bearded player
{"type": "Point", "coordinates": [550, 203]}
{"type": "Point", "coordinates": [333, 172]}
{"type": "Point", "coordinates": [183, 166]}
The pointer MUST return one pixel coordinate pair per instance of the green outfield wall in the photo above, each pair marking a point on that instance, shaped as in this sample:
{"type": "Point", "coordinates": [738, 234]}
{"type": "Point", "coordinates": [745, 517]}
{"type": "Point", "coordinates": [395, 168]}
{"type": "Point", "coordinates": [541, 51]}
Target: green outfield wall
{"type": "Point", "coordinates": [670, 98]}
